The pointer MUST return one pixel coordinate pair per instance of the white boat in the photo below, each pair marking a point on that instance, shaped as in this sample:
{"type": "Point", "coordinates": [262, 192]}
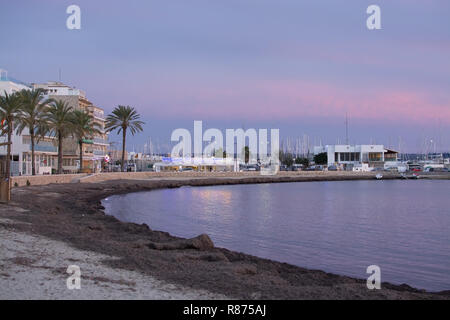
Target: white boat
{"type": "Point", "coordinates": [379, 176]}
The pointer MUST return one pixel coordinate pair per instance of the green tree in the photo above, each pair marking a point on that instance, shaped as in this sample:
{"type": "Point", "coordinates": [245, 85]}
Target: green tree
{"type": "Point", "coordinates": [286, 158]}
{"type": "Point", "coordinates": [321, 158]}
{"type": "Point", "coordinates": [59, 120]}
{"type": "Point", "coordinates": [9, 108]}
{"type": "Point", "coordinates": [246, 152]}
{"type": "Point", "coordinates": [121, 119]}
{"type": "Point", "coordinates": [32, 117]}
{"type": "Point", "coordinates": [303, 161]}
{"type": "Point", "coordinates": [83, 127]}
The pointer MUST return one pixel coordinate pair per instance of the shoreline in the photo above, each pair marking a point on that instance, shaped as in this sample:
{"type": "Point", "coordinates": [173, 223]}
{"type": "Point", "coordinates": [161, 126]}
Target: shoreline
{"type": "Point", "coordinates": [72, 213]}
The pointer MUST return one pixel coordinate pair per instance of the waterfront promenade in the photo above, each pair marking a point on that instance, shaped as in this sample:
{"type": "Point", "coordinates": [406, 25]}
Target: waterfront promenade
{"type": "Point", "coordinates": [20, 181]}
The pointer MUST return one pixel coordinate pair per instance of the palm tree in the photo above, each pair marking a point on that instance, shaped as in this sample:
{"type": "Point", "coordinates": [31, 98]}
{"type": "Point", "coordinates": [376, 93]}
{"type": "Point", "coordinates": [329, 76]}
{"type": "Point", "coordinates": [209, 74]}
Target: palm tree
{"type": "Point", "coordinates": [121, 119]}
{"type": "Point", "coordinates": [59, 121]}
{"type": "Point", "coordinates": [83, 126]}
{"type": "Point", "coordinates": [32, 116]}
{"type": "Point", "coordinates": [9, 107]}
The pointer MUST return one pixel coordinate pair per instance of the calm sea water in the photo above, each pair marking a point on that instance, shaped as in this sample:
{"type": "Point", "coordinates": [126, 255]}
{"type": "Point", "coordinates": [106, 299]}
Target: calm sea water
{"type": "Point", "coordinates": [340, 226]}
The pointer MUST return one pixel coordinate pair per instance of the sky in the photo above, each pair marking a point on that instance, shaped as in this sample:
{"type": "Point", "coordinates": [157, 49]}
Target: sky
{"type": "Point", "coordinates": [299, 66]}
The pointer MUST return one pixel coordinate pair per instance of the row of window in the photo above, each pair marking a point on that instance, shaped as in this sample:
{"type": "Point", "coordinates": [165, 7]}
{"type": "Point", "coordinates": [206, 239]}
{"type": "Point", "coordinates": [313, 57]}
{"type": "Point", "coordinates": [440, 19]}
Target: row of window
{"type": "Point", "coordinates": [347, 156]}
{"type": "Point", "coordinates": [42, 160]}
{"type": "Point", "coordinates": [356, 156]}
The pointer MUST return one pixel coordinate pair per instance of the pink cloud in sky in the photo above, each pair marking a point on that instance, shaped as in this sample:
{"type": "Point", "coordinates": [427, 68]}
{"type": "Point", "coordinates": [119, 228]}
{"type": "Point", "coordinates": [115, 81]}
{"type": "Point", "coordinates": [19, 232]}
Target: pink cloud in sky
{"type": "Point", "coordinates": [287, 100]}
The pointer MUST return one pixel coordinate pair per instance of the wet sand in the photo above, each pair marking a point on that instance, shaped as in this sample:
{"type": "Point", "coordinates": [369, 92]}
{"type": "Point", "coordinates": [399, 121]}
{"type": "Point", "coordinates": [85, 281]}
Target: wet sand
{"type": "Point", "coordinates": [72, 214]}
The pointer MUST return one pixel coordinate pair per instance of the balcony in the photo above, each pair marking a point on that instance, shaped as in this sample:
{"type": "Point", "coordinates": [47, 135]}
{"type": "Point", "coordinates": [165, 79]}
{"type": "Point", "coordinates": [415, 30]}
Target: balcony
{"type": "Point", "coordinates": [99, 153]}
{"type": "Point", "coordinates": [44, 147]}
{"type": "Point", "coordinates": [99, 115]}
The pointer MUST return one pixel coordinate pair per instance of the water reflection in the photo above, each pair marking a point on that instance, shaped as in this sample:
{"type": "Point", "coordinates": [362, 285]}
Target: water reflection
{"type": "Point", "coordinates": [340, 227]}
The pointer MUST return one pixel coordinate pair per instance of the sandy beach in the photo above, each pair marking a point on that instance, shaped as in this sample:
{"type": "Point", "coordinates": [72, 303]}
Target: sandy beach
{"type": "Point", "coordinates": [33, 267]}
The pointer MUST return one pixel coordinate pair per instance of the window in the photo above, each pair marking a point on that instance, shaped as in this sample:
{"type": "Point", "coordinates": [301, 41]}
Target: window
{"type": "Point", "coordinates": [347, 156]}
{"type": "Point", "coordinates": [374, 156]}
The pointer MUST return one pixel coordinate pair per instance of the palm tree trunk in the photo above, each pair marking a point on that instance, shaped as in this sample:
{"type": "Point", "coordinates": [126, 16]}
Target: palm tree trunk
{"type": "Point", "coordinates": [124, 135]}
{"type": "Point", "coordinates": [8, 151]}
{"type": "Point", "coordinates": [33, 164]}
{"type": "Point", "coordinates": [60, 153]}
{"type": "Point", "coordinates": [81, 155]}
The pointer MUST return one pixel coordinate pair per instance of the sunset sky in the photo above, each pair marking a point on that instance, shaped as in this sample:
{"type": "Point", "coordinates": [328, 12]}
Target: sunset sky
{"type": "Point", "coordinates": [299, 66]}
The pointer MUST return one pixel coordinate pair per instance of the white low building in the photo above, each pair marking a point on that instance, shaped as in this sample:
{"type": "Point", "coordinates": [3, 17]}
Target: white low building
{"type": "Point", "coordinates": [358, 157]}
{"type": "Point", "coordinates": [206, 164]}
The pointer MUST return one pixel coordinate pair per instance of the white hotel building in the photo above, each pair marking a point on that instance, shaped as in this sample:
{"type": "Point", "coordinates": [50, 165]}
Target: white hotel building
{"type": "Point", "coordinates": [45, 150]}
{"type": "Point", "coordinates": [357, 156]}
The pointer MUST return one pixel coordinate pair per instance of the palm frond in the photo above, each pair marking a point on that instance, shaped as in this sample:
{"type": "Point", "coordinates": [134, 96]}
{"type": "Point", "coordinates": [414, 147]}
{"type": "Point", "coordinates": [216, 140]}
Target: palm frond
{"type": "Point", "coordinates": [123, 118]}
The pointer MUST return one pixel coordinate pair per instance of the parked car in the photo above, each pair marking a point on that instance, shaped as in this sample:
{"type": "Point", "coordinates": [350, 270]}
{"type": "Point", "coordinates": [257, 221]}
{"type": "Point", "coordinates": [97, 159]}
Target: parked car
{"type": "Point", "coordinates": [332, 168]}
{"type": "Point", "coordinates": [436, 169]}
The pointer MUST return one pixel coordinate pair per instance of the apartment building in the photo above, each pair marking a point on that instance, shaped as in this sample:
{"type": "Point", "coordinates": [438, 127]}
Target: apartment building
{"type": "Point", "coordinates": [94, 147]}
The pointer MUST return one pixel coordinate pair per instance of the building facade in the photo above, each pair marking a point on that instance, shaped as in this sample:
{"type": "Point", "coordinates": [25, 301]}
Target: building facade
{"type": "Point", "coordinates": [353, 156]}
{"type": "Point", "coordinates": [46, 150]}
{"type": "Point", "coordinates": [94, 147]}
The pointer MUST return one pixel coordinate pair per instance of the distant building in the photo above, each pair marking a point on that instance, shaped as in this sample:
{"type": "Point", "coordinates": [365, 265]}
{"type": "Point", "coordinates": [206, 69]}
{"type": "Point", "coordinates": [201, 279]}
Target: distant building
{"type": "Point", "coordinates": [116, 156]}
{"type": "Point", "coordinates": [45, 150]}
{"type": "Point", "coordinates": [352, 156]}
{"type": "Point", "coordinates": [207, 164]}
{"type": "Point", "coordinates": [95, 147]}
{"type": "Point", "coordinates": [10, 85]}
